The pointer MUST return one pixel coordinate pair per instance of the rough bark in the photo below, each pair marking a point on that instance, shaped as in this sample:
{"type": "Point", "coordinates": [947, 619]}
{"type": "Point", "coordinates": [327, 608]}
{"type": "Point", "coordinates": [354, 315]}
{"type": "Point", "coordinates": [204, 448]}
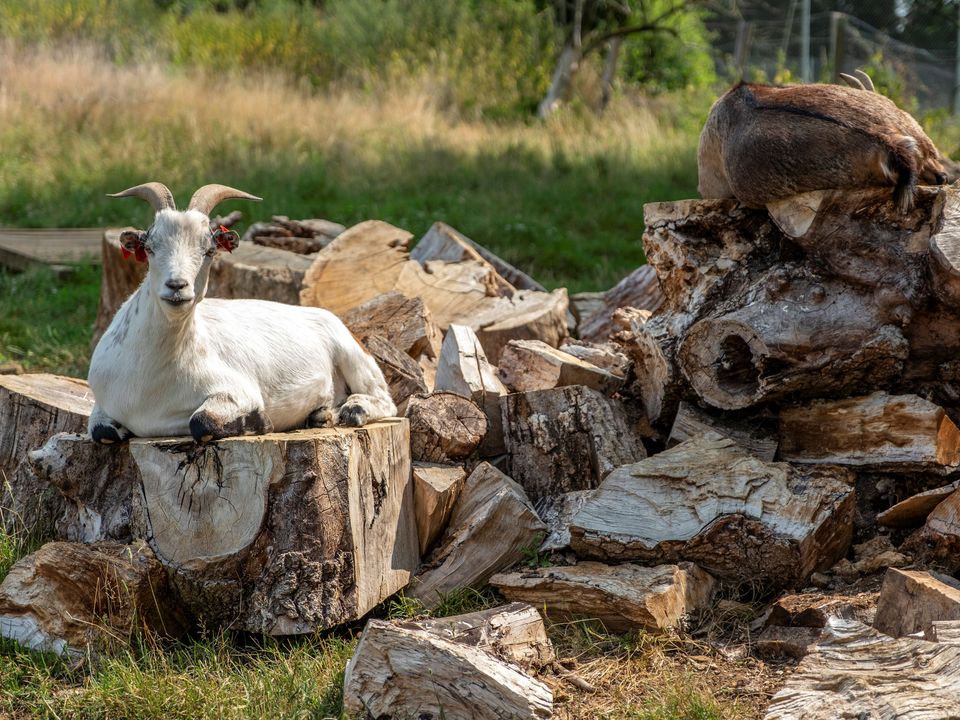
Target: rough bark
{"type": "Point", "coordinates": [710, 502]}
{"type": "Point", "coordinates": [405, 322]}
{"type": "Point", "coordinates": [752, 435]}
{"type": "Point", "coordinates": [557, 511]}
{"type": "Point", "coordinates": [858, 672]}
{"type": "Point", "coordinates": [910, 600]}
{"type": "Point", "coordinates": [463, 369]}
{"type": "Point", "coordinates": [623, 597]}
{"type": "Point", "coordinates": [403, 374]}
{"type": "Point", "coordinates": [283, 533]}
{"type": "Point", "coordinates": [444, 427]}
{"type": "Point", "coordinates": [399, 671]}
{"type": "Point", "coordinates": [68, 598]}
{"type": "Point", "coordinates": [879, 431]}
{"type": "Point", "coordinates": [533, 365]}
{"type": "Point", "coordinates": [435, 491]}
{"type": "Point", "coordinates": [640, 289]}
{"type": "Point", "coordinates": [32, 408]}
{"type": "Point", "coordinates": [567, 438]}
{"type": "Point", "coordinates": [491, 524]}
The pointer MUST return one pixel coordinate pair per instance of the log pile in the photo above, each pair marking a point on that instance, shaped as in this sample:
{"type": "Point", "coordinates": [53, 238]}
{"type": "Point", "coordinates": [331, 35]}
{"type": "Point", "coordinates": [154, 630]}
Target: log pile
{"type": "Point", "coordinates": [772, 403]}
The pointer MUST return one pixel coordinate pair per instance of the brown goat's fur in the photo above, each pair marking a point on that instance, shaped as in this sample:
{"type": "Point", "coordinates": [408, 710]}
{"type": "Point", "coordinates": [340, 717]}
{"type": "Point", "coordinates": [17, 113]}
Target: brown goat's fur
{"type": "Point", "coordinates": [763, 143]}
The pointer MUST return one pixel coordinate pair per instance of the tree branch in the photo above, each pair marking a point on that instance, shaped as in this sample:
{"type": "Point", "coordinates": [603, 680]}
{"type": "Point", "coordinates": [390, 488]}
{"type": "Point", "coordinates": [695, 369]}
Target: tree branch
{"type": "Point", "coordinates": [600, 41]}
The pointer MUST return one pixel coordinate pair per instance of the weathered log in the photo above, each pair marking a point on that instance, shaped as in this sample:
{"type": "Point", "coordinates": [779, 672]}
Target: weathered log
{"type": "Point", "coordinates": [371, 258]}
{"type": "Point", "coordinates": [514, 632]}
{"type": "Point", "coordinates": [442, 242]}
{"type": "Point", "coordinates": [557, 511]}
{"type": "Point", "coordinates": [405, 322]}
{"type": "Point", "coordinates": [401, 670]}
{"type": "Point", "coordinates": [623, 597]}
{"type": "Point", "coordinates": [910, 600]}
{"type": "Point", "coordinates": [710, 502]}
{"type": "Point", "coordinates": [69, 599]}
{"type": "Point", "coordinates": [403, 374]}
{"type": "Point", "coordinates": [253, 271]}
{"type": "Point", "coordinates": [491, 524]}
{"type": "Point", "coordinates": [444, 427]}
{"type": "Point", "coordinates": [640, 289]}
{"type": "Point", "coordinates": [604, 356]}
{"type": "Point", "coordinates": [913, 511]}
{"type": "Point", "coordinates": [753, 436]}
{"type": "Point", "coordinates": [435, 491]}
{"type": "Point", "coordinates": [95, 484]}
{"type": "Point", "coordinates": [814, 609]}
{"type": "Point", "coordinates": [119, 277]}
{"type": "Point", "coordinates": [282, 533]}
{"type": "Point", "coordinates": [463, 369]}
{"type": "Point", "coordinates": [533, 365]}
{"type": "Point", "coordinates": [938, 541]}
{"type": "Point", "coordinates": [32, 408]}
{"type": "Point", "coordinates": [651, 345]}
{"type": "Point", "coordinates": [303, 237]}
{"type": "Point", "coordinates": [792, 333]}
{"type": "Point", "coordinates": [857, 672]}
{"type": "Point", "coordinates": [567, 438]}
{"type": "Point", "coordinates": [880, 431]}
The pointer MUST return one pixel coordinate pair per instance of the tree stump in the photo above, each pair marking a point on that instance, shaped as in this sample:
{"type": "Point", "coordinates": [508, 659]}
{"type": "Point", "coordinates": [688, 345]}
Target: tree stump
{"type": "Point", "coordinates": [710, 502]}
{"type": "Point", "coordinates": [119, 277]}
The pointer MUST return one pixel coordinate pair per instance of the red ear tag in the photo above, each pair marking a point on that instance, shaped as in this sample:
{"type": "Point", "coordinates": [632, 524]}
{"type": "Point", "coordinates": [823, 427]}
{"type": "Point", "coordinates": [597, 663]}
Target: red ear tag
{"type": "Point", "coordinates": [224, 241]}
{"type": "Point", "coordinates": [140, 253]}
{"type": "Point", "coordinates": [125, 253]}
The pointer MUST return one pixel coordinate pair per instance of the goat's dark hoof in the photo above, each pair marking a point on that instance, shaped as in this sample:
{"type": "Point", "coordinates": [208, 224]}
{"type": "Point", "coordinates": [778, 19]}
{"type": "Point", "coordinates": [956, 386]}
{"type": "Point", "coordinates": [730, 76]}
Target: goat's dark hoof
{"type": "Point", "coordinates": [320, 418]}
{"type": "Point", "coordinates": [204, 428]}
{"type": "Point", "coordinates": [352, 416]}
{"type": "Point", "coordinates": [108, 434]}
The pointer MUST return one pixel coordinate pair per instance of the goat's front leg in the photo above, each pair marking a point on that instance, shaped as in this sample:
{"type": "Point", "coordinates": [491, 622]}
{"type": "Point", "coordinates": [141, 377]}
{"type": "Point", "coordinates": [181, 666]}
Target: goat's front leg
{"type": "Point", "coordinates": [222, 416]}
{"type": "Point", "coordinates": [104, 429]}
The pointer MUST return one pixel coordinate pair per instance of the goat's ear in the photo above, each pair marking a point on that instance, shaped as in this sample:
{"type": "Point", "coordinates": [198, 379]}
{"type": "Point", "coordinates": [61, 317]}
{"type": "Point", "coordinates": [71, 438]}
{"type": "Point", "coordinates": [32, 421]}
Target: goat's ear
{"type": "Point", "coordinates": [131, 243]}
{"type": "Point", "coordinates": [226, 238]}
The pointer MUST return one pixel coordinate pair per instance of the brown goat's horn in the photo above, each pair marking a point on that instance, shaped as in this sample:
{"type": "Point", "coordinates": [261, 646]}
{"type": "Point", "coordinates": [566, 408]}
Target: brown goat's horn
{"type": "Point", "coordinates": [865, 79]}
{"type": "Point", "coordinates": [209, 196]}
{"type": "Point", "coordinates": [157, 194]}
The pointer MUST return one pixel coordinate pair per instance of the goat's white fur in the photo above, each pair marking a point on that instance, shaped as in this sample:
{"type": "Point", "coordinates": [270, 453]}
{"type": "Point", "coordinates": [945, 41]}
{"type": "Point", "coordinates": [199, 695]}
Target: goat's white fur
{"type": "Point", "coordinates": [159, 364]}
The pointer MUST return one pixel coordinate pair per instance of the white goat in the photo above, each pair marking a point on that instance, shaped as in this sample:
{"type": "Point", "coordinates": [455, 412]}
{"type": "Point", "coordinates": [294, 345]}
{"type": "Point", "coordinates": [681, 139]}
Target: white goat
{"type": "Point", "coordinates": [171, 365]}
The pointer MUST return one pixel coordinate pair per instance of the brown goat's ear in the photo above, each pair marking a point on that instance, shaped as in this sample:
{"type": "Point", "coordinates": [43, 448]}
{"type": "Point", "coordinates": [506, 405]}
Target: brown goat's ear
{"type": "Point", "coordinates": [131, 243]}
{"type": "Point", "coordinates": [226, 238]}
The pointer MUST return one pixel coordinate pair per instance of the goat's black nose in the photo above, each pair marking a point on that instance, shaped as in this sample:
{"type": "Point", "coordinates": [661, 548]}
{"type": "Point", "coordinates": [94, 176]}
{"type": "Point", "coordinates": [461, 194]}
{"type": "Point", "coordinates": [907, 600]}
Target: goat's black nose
{"type": "Point", "coordinates": [176, 284]}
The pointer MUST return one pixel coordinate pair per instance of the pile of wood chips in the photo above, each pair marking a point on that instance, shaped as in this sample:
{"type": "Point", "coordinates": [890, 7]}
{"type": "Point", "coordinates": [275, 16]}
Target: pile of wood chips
{"type": "Point", "coordinates": [768, 406]}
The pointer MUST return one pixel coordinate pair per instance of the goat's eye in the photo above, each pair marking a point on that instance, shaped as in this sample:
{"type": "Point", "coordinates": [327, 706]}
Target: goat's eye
{"type": "Point", "coordinates": [210, 252]}
{"type": "Point", "coordinates": [147, 250]}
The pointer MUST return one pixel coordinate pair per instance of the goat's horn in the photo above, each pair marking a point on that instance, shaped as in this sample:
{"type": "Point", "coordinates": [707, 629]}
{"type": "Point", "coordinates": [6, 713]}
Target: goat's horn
{"type": "Point", "coordinates": [867, 82]}
{"type": "Point", "coordinates": [852, 81]}
{"type": "Point", "coordinates": [209, 196]}
{"type": "Point", "coordinates": [157, 194]}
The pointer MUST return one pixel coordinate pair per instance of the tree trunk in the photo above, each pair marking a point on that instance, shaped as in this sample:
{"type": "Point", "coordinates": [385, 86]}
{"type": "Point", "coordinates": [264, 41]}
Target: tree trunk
{"type": "Point", "coordinates": [609, 71]}
{"type": "Point", "coordinates": [567, 65]}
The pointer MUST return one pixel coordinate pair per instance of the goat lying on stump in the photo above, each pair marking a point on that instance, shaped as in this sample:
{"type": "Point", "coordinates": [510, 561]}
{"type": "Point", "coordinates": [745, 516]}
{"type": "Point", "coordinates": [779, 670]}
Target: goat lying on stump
{"type": "Point", "coordinates": [170, 365]}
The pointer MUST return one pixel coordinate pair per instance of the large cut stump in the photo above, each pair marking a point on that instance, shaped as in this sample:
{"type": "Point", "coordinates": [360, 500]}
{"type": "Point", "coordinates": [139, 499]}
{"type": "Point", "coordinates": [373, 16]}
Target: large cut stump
{"type": "Point", "coordinates": [911, 600]}
{"type": "Point", "coordinates": [119, 277]}
{"type": "Point", "coordinates": [491, 525]}
{"type": "Point", "coordinates": [881, 431]}
{"type": "Point", "coordinates": [623, 597]}
{"type": "Point", "coordinates": [857, 672]}
{"type": "Point", "coordinates": [567, 438]}
{"type": "Point", "coordinates": [430, 670]}
{"type": "Point", "coordinates": [282, 533]}
{"type": "Point", "coordinates": [710, 502]}
{"type": "Point", "coordinates": [254, 271]}
{"type": "Point", "coordinates": [68, 598]}
{"type": "Point", "coordinates": [32, 408]}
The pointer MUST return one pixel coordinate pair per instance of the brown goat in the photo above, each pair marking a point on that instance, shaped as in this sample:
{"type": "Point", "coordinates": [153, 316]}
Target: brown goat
{"type": "Point", "coordinates": [763, 143]}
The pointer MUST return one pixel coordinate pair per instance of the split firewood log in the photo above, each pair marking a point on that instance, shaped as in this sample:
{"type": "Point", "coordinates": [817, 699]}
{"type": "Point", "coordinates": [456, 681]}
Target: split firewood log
{"type": "Point", "coordinates": [856, 671]}
{"type": "Point", "coordinates": [405, 322]}
{"type": "Point", "coordinates": [557, 511]}
{"type": "Point", "coordinates": [72, 599]}
{"type": "Point", "coordinates": [708, 501]}
{"type": "Point", "coordinates": [938, 541]}
{"type": "Point", "coordinates": [417, 669]}
{"type": "Point", "coordinates": [640, 289]}
{"type": "Point", "coordinates": [913, 511]}
{"type": "Point", "coordinates": [754, 436]}
{"type": "Point", "coordinates": [403, 374]}
{"type": "Point", "coordinates": [435, 492]}
{"type": "Point", "coordinates": [32, 408]}
{"type": "Point", "coordinates": [533, 365]}
{"type": "Point", "coordinates": [567, 438]}
{"type": "Point", "coordinates": [911, 600]}
{"type": "Point", "coordinates": [444, 427]}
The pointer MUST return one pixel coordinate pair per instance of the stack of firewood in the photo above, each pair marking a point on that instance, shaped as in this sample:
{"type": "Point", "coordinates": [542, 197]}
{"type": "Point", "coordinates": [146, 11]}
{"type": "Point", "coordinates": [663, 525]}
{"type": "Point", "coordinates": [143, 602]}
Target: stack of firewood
{"type": "Point", "coordinates": [768, 405]}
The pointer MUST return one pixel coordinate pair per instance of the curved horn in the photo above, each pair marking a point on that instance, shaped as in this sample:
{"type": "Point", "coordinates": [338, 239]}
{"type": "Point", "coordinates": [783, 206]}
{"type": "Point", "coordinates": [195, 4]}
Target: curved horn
{"type": "Point", "coordinates": [209, 196]}
{"type": "Point", "coordinates": [157, 194]}
{"type": "Point", "coordinates": [865, 79]}
{"type": "Point", "coordinates": [852, 81]}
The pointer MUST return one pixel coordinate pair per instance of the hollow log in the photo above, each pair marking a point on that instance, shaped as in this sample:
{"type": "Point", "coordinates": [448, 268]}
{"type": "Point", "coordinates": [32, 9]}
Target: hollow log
{"type": "Point", "coordinates": [444, 427]}
{"type": "Point", "coordinates": [567, 438]}
{"type": "Point", "coordinates": [32, 408]}
{"type": "Point", "coordinates": [857, 672]}
{"type": "Point", "coordinates": [623, 597]}
{"type": "Point", "coordinates": [491, 524]}
{"type": "Point", "coordinates": [710, 502]}
{"type": "Point", "coordinates": [879, 431]}
{"type": "Point", "coordinates": [283, 533]}
{"type": "Point", "coordinates": [793, 333]}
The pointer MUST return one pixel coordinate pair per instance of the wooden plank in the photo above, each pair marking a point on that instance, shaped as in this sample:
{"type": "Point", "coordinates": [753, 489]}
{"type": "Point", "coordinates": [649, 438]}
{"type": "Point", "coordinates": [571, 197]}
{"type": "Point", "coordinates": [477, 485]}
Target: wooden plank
{"type": "Point", "coordinates": [22, 248]}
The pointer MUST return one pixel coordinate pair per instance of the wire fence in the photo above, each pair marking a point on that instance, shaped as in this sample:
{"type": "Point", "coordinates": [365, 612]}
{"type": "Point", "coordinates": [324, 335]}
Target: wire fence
{"type": "Point", "coordinates": [770, 50]}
